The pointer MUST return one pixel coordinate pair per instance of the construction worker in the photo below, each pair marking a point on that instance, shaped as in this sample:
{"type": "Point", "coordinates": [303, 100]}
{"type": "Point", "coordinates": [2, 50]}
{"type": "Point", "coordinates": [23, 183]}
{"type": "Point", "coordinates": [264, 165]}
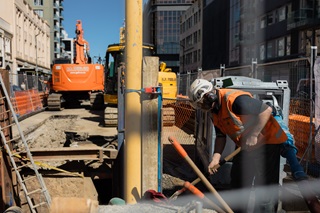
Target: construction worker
{"type": "Point", "coordinates": [248, 122]}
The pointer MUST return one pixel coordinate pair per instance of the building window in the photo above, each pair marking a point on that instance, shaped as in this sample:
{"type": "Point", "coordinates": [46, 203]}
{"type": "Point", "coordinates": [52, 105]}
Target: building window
{"type": "Point", "coordinates": [7, 45]}
{"type": "Point", "coordinates": [262, 52]}
{"type": "Point", "coordinates": [270, 49]}
{"type": "Point", "coordinates": [280, 47]}
{"type": "Point", "coordinates": [281, 14]}
{"type": "Point", "coordinates": [270, 18]}
{"type": "Point", "coordinates": [39, 12]}
{"type": "Point", "coordinates": [288, 45]}
{"type": "Point", "coordinates": [38, 2]}
{"type": "Point", "coordinates": [195, 57]}
{"type": "Point", "coordinates": [263, 22]}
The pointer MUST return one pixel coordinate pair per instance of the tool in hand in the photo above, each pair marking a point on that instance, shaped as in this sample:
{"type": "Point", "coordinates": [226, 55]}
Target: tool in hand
{"type": "Point", "coordinates": [184, 154]}
{"type": "Point", "coordinates": [226, 159]}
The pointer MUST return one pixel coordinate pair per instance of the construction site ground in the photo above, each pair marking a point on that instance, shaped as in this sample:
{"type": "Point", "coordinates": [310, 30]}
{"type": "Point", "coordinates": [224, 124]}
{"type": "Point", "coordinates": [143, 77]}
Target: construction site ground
{"type": "Point", "coordinates": [47, 130]}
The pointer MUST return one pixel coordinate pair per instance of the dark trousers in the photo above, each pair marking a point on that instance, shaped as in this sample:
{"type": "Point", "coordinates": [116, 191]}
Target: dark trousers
{"type": "Point", "coordinates": [258, 168]}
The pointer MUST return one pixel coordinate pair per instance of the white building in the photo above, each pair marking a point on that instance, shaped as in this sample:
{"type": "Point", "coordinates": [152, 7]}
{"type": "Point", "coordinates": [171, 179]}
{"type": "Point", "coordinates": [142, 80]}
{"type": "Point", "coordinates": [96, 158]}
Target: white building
{"type": "Point", "coordinates": [24, 39]}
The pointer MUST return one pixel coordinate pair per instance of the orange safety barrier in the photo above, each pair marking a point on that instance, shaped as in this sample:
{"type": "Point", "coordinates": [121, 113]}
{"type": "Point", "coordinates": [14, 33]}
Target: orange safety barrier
{"type": "Point", "coordinates": [15, 107]}
{"type": "Point", "coordinates": [26, 102]}
{"type": "Point", "coordinates": [36, 100]}
{"type": "Point", "coordinates": [299, 126]}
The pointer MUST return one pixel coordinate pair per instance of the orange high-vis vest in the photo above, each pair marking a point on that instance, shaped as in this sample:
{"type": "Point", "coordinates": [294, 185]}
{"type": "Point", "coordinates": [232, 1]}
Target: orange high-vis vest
{"type": "Point", "coordinates": [237, 126]}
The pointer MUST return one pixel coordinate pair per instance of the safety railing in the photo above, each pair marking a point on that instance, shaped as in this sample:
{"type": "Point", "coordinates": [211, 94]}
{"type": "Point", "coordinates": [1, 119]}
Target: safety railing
{"type": "Point", "coordinates": [301, 111]}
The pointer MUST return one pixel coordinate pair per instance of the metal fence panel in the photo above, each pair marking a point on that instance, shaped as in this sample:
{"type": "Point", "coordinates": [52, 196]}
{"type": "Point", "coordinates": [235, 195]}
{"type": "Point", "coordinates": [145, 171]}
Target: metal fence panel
{"type": "Point", "coordinates": [301, 117]}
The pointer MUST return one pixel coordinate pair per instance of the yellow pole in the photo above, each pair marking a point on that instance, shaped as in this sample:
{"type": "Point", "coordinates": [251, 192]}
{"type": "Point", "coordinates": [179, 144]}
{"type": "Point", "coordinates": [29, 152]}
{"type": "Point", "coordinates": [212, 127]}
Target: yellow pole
{"type": "Point", "coordinates": [132, 145]}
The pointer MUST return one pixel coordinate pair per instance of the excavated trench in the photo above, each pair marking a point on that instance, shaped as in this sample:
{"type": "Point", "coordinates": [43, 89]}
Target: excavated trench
{"type": "Point", "coordinates": [91, 179]}
{"type": "Point", "coordinates": [65, 178]}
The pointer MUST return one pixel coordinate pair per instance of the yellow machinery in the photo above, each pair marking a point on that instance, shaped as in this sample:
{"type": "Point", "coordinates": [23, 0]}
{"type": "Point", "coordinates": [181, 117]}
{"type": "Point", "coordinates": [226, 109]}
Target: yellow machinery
{"type": "Point", "coordinates": [114, 84]}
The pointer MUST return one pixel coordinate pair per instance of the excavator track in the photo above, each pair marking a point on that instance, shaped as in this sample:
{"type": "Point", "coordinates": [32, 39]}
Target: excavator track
{"type": "Point", "coordinates": [96, 100]}
{"type": "Point", "coordinates": [54, 102]}
{"type": "Point", "coordinates": [111, 116]}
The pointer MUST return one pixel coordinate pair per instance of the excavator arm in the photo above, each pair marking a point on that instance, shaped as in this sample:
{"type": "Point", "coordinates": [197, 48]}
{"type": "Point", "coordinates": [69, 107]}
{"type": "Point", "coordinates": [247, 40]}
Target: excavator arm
{"type": "Point", "coordinates": [82, 46]}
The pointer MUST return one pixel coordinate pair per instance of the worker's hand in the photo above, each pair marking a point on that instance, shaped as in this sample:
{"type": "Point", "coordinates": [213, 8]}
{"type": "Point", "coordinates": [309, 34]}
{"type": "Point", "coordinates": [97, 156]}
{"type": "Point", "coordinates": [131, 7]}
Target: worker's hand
{"type": "Point", "coordinates": [215, 161]}
{"type": "Point", "coordinates": [250, 142]}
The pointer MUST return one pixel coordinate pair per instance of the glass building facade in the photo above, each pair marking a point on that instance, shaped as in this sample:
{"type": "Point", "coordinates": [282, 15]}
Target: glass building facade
{"type": "Point", "coordinates": [162, 28]}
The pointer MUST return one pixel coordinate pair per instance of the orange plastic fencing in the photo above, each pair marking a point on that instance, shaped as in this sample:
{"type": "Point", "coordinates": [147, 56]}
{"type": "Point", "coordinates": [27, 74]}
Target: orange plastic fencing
{"type": "Point", "coordinates": [183, 128]}
{"type": "Point", "coordinates": [300, 128]}
{"type": "Point", "coordinates": [26, 102]}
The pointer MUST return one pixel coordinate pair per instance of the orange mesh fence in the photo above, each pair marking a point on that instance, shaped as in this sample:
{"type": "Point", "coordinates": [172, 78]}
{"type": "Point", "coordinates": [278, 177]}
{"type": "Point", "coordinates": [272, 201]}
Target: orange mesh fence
{"type": "Point", "coordinates": [22, 102]}
{"type": "Point", "coordinates": [303, 130]}
{"type": "Point", "coordinates": [36, 99]}
{"type": "Point", "coordinates": [300, 127]}
{"type": "Point", "coordinates": [184, 123]}
{"type": "Point", "coordinates": [15, 106]}
{"type": "Point", "coordinates": [26, 102]}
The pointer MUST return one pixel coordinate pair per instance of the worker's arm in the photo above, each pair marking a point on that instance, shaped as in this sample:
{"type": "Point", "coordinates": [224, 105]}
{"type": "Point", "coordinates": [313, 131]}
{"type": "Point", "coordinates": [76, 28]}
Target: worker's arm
{"type": "Point", "coordinates": [219, 145]}
{"type": "Point", "coordinates": [261, 120]}
{"type": "Point", "coordinates": [259, 114]}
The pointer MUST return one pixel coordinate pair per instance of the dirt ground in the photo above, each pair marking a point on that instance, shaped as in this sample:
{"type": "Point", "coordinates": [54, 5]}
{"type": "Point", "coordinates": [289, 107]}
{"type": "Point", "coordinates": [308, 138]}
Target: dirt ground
{"type": "Point", "coordinates": [51, 134]}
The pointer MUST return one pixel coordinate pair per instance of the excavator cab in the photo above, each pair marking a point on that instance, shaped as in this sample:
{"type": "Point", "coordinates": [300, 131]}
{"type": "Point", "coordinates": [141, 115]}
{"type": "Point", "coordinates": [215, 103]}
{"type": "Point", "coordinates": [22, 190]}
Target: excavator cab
{"type": "Point", "coordinates": [115, 64]}
{"type": "Point", "coordinates": [114, 57]}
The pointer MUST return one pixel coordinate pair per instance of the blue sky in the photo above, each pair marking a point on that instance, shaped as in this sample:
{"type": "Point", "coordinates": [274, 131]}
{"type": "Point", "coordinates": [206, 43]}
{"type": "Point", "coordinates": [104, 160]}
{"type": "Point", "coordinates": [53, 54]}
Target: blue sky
{"type": "Point", "coordinates": [101, 22]}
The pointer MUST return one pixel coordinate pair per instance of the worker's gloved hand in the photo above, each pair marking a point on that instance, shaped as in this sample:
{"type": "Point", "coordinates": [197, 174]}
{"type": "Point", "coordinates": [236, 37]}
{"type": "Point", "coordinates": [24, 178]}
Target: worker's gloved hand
{"type": "Point", "coordinates": [215, 161]}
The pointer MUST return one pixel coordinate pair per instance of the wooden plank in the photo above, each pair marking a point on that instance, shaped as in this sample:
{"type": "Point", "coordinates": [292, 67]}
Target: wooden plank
{"type": "Point", "coordinates": [71, 153]}
{"type": "Point", "coordinates": [150, 156]}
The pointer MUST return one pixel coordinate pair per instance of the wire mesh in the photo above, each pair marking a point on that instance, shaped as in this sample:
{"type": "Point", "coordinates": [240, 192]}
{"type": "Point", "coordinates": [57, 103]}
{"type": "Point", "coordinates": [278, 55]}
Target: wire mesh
{"type": "Point", "coordinates": [183, 126]}
{"type": "Point", "coordinates": [301, 109]}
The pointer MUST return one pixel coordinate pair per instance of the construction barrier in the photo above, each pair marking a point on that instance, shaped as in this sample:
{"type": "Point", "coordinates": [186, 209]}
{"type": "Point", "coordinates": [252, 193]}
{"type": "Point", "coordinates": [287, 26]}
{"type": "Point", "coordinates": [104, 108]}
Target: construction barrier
{"type": "Point", "coordinates": [26, 102]}
{"type": "Point", "coordinates": [29, 94]}
{"type": "Point", "coordinates": [300, 127]}
{"type": "Point", "coordinates": [183, 128]}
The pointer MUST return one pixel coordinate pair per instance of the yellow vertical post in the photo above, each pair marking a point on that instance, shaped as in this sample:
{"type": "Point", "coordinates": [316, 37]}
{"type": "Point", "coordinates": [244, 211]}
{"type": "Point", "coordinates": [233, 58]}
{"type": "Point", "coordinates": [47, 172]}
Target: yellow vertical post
{"type": "Point", "coordinates": [132, 145]}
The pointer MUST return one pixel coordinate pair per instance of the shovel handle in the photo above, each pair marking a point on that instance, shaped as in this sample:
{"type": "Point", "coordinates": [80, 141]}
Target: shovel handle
{"type": "Point", "coordinates": [227, 158]}
{"type": "Point", "coordinates": [198, 193]}
{"type": "Point", "coordinates": [178, 147]}
{"type": "Point", "coordinates": [184, 154]}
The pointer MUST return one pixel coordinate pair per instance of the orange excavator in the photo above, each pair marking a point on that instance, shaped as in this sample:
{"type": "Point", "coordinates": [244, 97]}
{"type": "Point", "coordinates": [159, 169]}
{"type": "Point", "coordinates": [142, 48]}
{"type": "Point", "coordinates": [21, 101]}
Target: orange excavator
{"type": "Point", "coordinates": [73, 82]}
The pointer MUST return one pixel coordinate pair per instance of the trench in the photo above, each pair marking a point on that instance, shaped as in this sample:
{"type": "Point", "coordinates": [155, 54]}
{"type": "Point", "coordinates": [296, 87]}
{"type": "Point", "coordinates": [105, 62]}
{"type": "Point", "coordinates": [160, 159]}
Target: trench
{"type": "Point", "coordinates": [97, 180]}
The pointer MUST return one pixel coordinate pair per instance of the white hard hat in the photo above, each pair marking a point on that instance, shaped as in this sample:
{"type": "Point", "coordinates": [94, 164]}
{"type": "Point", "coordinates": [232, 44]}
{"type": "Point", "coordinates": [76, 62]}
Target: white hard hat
{"type": "Point", "coordinates": [197, 89]}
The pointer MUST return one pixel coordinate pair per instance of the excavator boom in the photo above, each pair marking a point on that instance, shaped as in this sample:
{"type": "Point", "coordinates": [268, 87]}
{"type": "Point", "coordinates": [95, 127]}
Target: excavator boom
{"type": "Point", "coordinates": [72, 83]}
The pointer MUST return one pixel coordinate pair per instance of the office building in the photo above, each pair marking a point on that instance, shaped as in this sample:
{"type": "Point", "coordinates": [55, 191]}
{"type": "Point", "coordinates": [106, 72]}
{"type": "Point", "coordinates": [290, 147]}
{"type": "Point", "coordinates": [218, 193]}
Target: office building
{"type": "Point", "coordinates": [191, 39]}
{"type": "Point", "coordinates": [162, 28]}
{"type": "Point", "coordinates": [269, 40]}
